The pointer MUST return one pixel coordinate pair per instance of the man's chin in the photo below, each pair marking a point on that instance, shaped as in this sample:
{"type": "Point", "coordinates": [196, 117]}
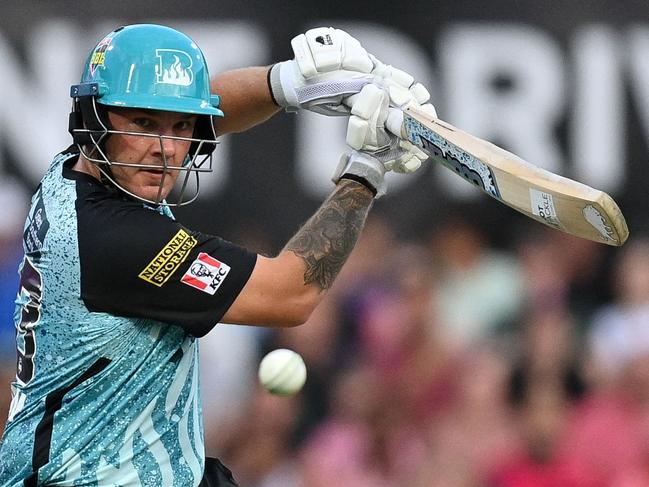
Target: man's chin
{"type": "Point", "coordinates": [150, 193]}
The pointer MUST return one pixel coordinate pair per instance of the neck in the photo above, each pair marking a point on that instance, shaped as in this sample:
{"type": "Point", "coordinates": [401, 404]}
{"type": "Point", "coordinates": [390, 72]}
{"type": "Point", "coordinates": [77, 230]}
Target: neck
{"type": "Point", "coordinates": [85, 166]}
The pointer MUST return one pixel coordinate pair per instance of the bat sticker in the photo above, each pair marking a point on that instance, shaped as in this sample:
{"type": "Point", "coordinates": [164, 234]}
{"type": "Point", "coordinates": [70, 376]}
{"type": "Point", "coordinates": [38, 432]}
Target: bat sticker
{"type": "Point", "coordinates": [463, 163]}
{"type": "Point", "coordinates": [597, 220]}
{"type": "Point", "coordinates": [543, 206]}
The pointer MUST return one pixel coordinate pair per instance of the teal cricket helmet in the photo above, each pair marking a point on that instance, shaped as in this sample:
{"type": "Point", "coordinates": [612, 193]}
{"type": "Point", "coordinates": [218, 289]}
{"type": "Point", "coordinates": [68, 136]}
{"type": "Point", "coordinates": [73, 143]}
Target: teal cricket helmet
{"type": "Point", "coordinates": [149, 67]}
{"type": "Point", "coordinates": [153, 67]}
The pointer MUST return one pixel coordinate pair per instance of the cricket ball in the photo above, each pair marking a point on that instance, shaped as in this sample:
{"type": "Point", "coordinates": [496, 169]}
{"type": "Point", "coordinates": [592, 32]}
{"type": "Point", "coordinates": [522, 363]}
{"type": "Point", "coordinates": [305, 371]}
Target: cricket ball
{"type": "Point", "coordinates": [282, 372]}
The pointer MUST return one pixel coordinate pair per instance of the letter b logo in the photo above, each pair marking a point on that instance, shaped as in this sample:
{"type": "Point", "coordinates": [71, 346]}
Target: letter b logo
{"type": "Point", "coordinates": [174, 67]}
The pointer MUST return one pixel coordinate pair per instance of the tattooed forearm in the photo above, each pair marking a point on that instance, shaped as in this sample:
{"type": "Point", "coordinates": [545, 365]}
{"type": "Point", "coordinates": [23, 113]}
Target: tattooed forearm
{"type": "Point", "coordinates": [326, 240]}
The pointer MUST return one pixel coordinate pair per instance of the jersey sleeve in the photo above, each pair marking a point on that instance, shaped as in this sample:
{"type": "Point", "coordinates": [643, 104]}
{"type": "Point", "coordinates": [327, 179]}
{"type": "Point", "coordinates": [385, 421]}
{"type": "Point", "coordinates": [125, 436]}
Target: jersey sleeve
{"type": "Point", "coordinates": [136, 262]}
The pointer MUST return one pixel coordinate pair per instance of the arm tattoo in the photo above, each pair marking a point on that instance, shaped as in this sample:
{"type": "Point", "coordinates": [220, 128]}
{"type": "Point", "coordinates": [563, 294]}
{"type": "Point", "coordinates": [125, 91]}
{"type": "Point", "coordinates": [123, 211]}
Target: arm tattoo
{"type": "Point", "coordinates": [328, 237]}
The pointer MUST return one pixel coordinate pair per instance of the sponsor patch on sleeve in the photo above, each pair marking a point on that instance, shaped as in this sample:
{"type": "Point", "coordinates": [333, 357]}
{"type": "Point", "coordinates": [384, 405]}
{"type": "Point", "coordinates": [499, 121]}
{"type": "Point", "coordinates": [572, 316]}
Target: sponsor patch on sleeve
{"type": "Point", "coordinates": [206, 273]}
{"type": "Point", "coordinates": [162, 267]}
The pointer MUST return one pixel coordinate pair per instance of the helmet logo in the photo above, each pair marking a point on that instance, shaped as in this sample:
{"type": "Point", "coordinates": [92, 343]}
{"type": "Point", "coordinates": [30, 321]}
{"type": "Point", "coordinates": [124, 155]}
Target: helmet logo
{"type": "Point", "coordinates": [174, 67]}
{"type": "Point", "coordinates": [98, 57]}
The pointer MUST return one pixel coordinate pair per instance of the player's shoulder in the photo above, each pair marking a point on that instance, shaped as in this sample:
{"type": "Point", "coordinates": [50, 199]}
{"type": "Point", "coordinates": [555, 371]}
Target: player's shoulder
{"type": "Point", "coordinates": [105, 213]}
{"type": "Point", "coordinates": [108, 220]}
{"type": "Point", "coordinates": [99, 203]}
{"type": "Point", "coordinates": [55, 172]}
{"type": "Point", "coordinates": [70, 153]}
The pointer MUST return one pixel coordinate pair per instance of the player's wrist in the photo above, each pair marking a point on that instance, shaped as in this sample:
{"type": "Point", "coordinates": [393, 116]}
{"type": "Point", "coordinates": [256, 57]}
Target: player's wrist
{"type": "Point", "coordinates": [358, 181]}
{"type": "Point", "coordinates": [364, 169]}
{"type": "Point", "coordinates": [281, 82]}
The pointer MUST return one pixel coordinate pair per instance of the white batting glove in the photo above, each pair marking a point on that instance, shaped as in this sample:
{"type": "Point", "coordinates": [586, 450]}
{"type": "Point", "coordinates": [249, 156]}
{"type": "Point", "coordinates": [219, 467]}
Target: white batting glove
{"type": "Point", "coordinates": [329, 66]}
{"type": "Point", "coordinates": [366, 131]}
{"type": "Point", "coordinates": [403, 91]}
{"type": "Point", "coordinates": [366, 126]}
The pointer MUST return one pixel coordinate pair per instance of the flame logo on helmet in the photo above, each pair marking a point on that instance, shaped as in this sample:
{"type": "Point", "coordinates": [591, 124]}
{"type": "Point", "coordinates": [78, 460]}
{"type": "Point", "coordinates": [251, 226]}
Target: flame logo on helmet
{"type": "Point", "coordinates": [174, 67]}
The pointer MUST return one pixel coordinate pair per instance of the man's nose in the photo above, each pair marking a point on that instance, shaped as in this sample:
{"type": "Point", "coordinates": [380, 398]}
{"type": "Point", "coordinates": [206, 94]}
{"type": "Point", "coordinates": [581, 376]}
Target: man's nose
{"type": "Point", "coordinates": [166, 146]}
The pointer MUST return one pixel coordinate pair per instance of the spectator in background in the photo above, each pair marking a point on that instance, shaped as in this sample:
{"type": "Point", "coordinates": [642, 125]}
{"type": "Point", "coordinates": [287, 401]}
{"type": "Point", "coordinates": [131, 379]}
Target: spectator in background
{"type": "Point", "coordinates": [401, 378]}
{"type": "Point", "coordinates": [560, 271]}
{"type": "Point", "coordinates": [346, 448]}
{"type": "Point", "coordinates": [548, 354]}
{"type": "Point", "coordinates": [480, 288]}
{"type": "Point", "coordinates": [476, 432]}
{"type": "Point", "coordinates": [610, 432]}
{"type": "Point", "coordinates": [620, 331]}
{"type": "Point", "coordinates": [399, 335]}
{"type": "Point", "coordinates": [542, 416]}
{"type": "Point", "coordinates": [544, 387]}
{"type": "Point", "coordinates": [259, 445]}
{"type": "Point", "coordinates": [545, 274]}
{"type": "Point", "coordinates": [228, 354]}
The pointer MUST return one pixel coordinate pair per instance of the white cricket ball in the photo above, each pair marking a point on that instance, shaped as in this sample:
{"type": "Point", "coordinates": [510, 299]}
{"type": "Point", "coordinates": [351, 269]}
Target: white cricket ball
{"type": "Point", "coordinates": [282, 372]}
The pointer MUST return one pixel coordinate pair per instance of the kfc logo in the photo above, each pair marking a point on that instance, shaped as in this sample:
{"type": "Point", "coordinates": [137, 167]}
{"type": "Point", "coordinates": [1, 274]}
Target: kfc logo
{"type": "Point", "coordinates": [206, 274]}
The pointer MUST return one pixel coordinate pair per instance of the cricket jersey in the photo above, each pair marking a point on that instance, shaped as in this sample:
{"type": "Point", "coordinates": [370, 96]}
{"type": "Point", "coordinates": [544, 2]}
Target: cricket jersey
{"type": "Point", "coordinates": [112, 296]}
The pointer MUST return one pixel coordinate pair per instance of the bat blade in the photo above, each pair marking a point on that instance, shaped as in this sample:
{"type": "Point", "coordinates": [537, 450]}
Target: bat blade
{"type": "Point", "coordinates": [549, 198]}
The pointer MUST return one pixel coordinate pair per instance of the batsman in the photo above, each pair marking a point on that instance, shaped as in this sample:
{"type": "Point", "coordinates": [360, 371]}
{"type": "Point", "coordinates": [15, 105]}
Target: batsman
{"type": "Point", "coordinates": [114, 291]}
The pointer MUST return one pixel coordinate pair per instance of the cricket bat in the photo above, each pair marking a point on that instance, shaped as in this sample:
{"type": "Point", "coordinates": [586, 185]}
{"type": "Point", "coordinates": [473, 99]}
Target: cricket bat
{"type": "Point", "coordinates": [554, 200]}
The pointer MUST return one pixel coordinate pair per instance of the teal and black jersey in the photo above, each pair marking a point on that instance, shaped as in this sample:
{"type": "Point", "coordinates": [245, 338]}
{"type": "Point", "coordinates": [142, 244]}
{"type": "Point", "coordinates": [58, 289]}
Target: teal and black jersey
{"type": "Point", "coordinates": [113, 294]}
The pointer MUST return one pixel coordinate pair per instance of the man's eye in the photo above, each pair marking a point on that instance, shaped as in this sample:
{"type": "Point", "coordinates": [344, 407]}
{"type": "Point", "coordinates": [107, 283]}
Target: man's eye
{"type": "Point", "coordinates": [185, 126]}
{"type": "Point", "coordinates": [143, 123]}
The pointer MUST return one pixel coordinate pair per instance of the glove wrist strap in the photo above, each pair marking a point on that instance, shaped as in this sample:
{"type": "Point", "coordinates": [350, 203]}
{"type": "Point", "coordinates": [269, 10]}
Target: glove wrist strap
{"type": "Point", "coordinates": [360, 180]}
{"type": "Point", "coordinates": [270, 85]}
{"type": "Point", "coordinates": [364, 169]}
{"type": "Point", "coordinates": [280, 81]}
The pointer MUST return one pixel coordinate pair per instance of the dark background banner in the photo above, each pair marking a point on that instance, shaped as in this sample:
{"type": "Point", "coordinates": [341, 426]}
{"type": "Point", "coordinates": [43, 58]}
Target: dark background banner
{"type": "Point", "coordinates": [563, 84]}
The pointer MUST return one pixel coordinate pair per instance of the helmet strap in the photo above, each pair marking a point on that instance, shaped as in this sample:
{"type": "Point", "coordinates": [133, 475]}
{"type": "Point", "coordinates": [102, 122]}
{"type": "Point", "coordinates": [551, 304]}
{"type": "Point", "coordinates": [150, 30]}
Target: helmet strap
{"type": "Point", "coordinates": [205, 131]}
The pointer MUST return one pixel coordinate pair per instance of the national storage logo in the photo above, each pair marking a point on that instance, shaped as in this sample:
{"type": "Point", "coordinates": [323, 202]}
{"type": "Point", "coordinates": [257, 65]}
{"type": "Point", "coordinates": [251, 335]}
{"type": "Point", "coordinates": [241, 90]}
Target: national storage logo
{"type": "Point", "coordinates": [161, 268]}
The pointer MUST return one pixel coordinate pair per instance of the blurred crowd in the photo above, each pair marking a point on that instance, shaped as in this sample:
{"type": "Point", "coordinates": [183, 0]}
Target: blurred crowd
{"type": "Point", "coordinates": [441, 361]}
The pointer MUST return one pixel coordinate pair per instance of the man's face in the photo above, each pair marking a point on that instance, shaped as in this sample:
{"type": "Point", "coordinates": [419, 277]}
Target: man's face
{"type": "Point", "coordinates": [132, 149]}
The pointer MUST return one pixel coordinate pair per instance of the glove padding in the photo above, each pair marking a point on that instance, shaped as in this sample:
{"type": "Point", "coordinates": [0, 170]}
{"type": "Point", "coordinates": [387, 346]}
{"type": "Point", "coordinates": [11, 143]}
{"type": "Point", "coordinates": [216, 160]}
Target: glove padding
{"type": "Point", "coordinates": [366, 131]}
{"type": "Point", "coordinates": [402, 88]}
{"type": "Point", "coordinates": [329, 66]}
{"type": "Point", "coordinates": [404, 92]}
